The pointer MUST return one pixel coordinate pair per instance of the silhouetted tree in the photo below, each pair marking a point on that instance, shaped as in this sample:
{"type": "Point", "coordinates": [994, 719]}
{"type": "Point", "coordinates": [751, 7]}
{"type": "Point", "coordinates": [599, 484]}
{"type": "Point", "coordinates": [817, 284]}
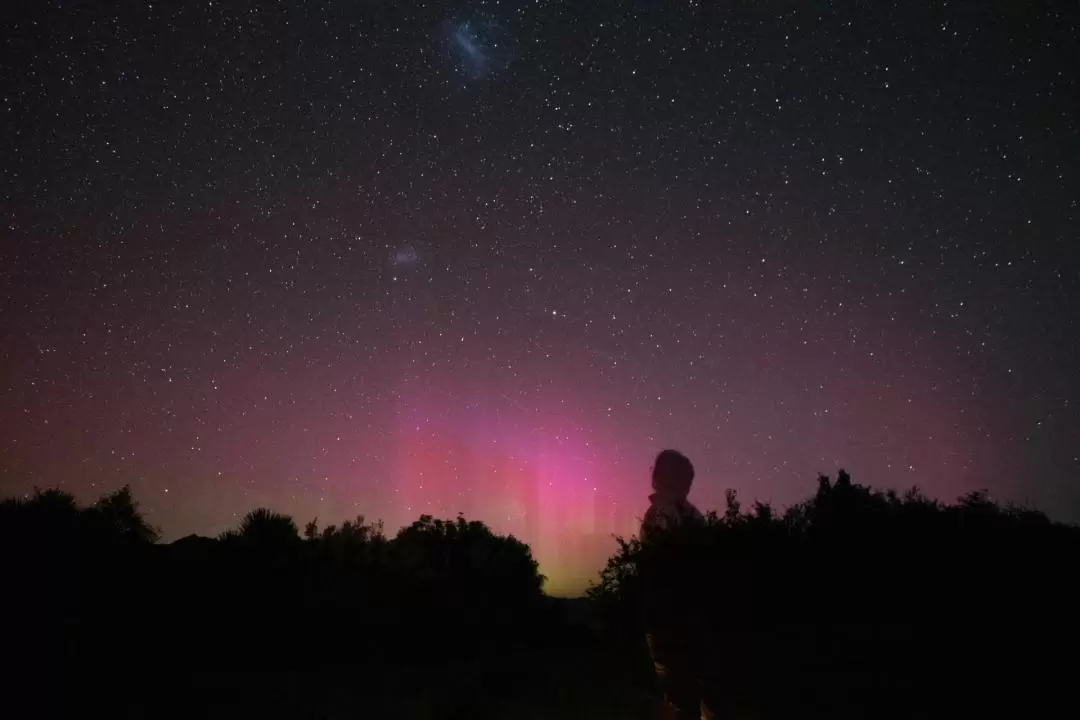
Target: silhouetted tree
{"type": "Point", "coordinates": [45, 515]}
{"type": "Point", "coordinates": [733, 509]}
{"type": "Point", "coordinates": [74, 578]}
{"type": "Point", "coordinates": [346, 562]}
{"type": "Point", "coordinates": [433, 549]}
{"type": "Point", "coordinates": [855, 602]}
{"type": "Point", "coordinates": [55, 519]}
{"type": "Point", "coordinates": [853, 592]}
{"type": "Point", "coordinates": [116, 517]}
{"type": "Point", "coordinates": [268, 529]}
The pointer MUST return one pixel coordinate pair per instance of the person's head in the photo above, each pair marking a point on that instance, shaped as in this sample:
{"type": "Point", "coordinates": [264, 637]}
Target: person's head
{"type": "Point", "coordinates": [672, 474]}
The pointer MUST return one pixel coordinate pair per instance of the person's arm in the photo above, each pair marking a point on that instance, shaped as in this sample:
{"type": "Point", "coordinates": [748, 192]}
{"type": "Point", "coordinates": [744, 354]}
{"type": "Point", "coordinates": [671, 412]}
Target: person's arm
{"type": "Point", "coordinates": [695, 514]}
{"type": "Point", "coordinates": [653, 520]}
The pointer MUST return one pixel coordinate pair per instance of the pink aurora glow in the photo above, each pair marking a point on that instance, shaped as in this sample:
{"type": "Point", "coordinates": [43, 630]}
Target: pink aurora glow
{"type": "Point", "coordinates": [535, 475]}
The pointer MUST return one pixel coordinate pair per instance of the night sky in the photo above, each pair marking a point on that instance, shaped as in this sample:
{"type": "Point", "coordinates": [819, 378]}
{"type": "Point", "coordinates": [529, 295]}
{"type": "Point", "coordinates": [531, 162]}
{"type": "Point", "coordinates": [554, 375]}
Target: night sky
{"type": "Point", "coordinates": [395, 258]}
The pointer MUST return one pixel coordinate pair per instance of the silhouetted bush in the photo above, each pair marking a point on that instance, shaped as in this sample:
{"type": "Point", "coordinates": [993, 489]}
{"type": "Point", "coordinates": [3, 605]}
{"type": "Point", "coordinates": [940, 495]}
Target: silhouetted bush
{"type": "Point", "coordinates": [72, 580]}
{"type": "Point", "coordinates": [266, 530]}
{"type": "Point", "coordinates": [460, 569]}
{"type": "Point", "coordinates": [859, 603]}
{"type": "Point", "coordinates": [852, 603]}
{"type": "Point", "coordinates": [95, 596]}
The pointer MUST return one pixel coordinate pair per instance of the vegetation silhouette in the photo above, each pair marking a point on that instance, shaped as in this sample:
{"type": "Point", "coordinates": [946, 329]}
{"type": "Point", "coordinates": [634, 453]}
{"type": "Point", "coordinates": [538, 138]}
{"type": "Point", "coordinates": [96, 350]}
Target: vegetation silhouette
{"type": "Point", "coordinates": [266, 530]}
{"type": "Point", "coordinates": [103, 597]}
{"type": "Point", "coordinates": [859, 603]}
{"type": "Point", "coordinates": [854, 603]}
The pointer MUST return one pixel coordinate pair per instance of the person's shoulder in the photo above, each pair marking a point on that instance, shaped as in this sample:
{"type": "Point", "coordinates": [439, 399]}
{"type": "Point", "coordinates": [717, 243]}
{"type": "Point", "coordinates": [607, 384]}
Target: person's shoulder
{"type": "Point", "coordinates": [654, 517]}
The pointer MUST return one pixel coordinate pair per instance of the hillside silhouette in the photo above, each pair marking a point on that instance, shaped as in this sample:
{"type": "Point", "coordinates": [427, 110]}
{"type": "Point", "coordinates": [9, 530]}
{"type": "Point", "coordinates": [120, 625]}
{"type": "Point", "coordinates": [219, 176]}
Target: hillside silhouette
{"type": "Point", "coordinates": [854, 603]}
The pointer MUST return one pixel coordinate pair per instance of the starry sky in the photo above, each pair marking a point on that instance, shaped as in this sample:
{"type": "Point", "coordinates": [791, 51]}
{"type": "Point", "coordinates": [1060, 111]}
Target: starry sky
{"type": "Point", "coordinates": [390, 258]}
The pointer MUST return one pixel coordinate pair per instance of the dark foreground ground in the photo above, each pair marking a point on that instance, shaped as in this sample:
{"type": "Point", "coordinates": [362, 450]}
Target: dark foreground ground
{"type": "Point", "coordinates": [567, 669]}
{"type": "Point", "coordinates": [573, 673]}
{"type": "Point", "coordinates": [579, 680]}
{"type": "Point", "coordinates": [853, 605]}
{"type": "Point", "coordinates": [566, 666]}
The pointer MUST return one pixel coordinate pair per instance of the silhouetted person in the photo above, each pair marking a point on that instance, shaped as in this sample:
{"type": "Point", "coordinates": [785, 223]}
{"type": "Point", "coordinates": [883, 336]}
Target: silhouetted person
{"type": "Point", "coordinates": [672, 476]}
{"type": "Point", "coordinates": [668, 638]}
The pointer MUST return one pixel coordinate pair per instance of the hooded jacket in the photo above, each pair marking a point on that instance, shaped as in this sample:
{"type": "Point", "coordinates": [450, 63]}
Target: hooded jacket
{"type": "Point", "coordinates": [667, 509]}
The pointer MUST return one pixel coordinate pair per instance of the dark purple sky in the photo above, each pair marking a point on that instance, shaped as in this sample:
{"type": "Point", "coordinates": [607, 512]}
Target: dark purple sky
{"type": "Point", "coordinates": [371, 257]}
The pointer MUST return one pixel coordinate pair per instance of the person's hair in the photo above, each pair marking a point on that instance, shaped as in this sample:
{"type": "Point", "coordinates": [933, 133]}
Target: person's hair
{"type": "Point", "coordinates": [673, 473]}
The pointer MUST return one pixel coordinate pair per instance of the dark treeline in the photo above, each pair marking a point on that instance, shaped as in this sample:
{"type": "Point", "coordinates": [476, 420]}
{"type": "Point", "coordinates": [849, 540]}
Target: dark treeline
{"type": "Point", "coordinates": [858, 603]}
{"type": "Point", "coordinates": [100, 616]}
{"type": "Point", "coordinates": [854, 603]}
